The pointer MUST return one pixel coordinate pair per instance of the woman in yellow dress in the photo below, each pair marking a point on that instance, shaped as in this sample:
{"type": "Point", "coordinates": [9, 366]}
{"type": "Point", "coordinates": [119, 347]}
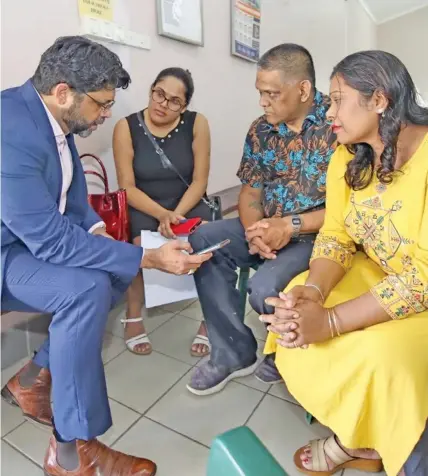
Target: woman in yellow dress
{"type": "Point", "coordinates": [351, 334]}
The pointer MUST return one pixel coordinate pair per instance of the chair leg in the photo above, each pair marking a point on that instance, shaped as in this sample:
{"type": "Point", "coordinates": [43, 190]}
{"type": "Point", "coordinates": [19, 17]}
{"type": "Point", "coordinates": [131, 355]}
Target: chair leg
{"type": "Point", "coordinates": [244, 276]}
{"type": "Point", "coordinates": [309, 418]}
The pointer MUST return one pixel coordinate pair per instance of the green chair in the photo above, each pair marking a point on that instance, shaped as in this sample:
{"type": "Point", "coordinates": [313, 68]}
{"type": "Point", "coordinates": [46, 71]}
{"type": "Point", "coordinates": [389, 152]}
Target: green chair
{"type": "Point", "coordinates": [239, 452]}
{"type": "Point", "coordinates": [244, 276]}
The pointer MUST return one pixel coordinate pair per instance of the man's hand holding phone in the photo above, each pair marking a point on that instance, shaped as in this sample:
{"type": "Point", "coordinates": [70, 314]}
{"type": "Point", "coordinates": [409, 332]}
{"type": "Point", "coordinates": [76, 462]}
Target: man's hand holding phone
{"type": "Point", "coordinates": [175, 258]}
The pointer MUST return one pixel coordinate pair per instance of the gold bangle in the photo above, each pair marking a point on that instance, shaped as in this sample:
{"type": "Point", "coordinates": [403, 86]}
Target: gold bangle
{"type": "Point", "coordinates": [333, 312]}
{"type": "Point", "coordinates": [330, 323]}
{"type": "Point", "coordinates": [309, 285]}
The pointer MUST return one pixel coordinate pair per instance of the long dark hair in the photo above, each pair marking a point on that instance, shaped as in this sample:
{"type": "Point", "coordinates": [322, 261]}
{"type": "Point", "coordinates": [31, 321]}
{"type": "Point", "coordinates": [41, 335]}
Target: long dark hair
{"type": "Point", "coordinates": [184, 75]}
{"type": "Point", "coordinates": [369, 72]}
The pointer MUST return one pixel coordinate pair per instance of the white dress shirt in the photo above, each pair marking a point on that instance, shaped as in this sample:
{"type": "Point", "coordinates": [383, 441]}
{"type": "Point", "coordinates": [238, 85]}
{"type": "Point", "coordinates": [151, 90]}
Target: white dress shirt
{"type": "Point", "coordinates": [66, 164]}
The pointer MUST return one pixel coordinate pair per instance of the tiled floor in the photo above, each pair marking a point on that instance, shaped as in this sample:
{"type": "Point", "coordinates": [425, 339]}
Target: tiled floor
{"type": "Point", "coordinates": [156, 417]}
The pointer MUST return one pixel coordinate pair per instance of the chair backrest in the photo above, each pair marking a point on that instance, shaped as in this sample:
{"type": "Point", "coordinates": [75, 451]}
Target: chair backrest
{"type": "Point", "coordinates": [239, 452]}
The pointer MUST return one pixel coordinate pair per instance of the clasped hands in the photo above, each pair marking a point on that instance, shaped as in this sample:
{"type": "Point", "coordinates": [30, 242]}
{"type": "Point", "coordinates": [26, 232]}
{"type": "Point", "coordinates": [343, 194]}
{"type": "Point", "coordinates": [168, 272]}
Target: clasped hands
{"type": "Point", "coordinates": [267, 236]}
{"type": "Point", "coordinates": [299, 318]}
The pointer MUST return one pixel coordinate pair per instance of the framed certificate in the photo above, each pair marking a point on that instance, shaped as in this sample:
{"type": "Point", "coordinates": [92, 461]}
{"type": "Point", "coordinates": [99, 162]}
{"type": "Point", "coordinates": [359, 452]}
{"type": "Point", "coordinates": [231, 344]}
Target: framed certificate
{"type": "Point", "coordinates": [181, 20]}
{"type": "Point", "coordinates": [245, 34]}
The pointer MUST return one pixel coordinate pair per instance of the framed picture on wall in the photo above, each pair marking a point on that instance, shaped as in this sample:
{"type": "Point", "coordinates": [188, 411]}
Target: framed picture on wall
{"type": "Point", "coordinates": [245, 31]}
{"type": "Point", "coordinates": [181, 20]}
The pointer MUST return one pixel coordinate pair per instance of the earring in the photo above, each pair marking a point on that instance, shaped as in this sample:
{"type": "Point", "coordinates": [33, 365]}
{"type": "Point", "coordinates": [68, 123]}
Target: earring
{"type": "Point", "coordinates": [382, 113]}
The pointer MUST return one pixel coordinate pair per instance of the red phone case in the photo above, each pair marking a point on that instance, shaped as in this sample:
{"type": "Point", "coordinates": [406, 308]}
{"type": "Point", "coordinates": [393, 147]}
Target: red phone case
{"type": "Point", "coordinates": [186, 228]}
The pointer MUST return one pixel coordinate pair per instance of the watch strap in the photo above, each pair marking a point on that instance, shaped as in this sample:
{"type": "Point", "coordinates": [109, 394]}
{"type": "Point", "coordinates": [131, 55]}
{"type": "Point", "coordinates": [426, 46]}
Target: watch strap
{"type": "Point", "coordinates": [296, 223]}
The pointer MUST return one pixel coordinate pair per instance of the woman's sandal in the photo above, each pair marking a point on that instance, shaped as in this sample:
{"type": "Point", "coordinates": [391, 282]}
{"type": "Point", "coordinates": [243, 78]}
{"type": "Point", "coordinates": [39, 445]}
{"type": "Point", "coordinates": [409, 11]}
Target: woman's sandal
{"type": "Point", "coordinates": [331, 448]}
{"type": "Point", "coordinates": [136, 340]}
{"type": "Point", "coordinates": [200, 340]}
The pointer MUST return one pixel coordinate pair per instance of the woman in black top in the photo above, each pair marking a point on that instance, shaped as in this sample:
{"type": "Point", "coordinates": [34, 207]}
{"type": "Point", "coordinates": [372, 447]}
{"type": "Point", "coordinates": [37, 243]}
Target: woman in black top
{"type": "Point", "coordinates": [157, 197]}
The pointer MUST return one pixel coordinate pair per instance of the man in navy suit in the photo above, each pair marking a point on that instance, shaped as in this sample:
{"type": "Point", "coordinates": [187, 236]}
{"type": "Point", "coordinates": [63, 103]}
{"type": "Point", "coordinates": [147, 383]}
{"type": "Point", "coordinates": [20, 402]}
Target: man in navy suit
{"type": "Point", "coordinates": [57, 257]}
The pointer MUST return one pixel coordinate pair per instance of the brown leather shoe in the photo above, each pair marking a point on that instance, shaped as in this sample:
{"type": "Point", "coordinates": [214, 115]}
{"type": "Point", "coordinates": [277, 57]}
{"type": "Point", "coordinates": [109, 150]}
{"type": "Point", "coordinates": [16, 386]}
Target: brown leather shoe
{"type": "Point", "coordinates": [34, 401]}
{"type": "Point", "coordinates": [97, 459]}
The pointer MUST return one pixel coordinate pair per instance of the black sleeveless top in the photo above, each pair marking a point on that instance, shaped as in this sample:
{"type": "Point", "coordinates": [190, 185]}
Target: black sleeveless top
{"type": "Point", "coordinates": [160, 184]}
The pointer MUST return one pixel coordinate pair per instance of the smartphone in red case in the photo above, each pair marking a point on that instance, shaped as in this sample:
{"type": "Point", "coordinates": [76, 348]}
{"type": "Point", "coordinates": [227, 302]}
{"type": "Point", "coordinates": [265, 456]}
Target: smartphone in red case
{"type": "Point", "coordinates": [186, 227]}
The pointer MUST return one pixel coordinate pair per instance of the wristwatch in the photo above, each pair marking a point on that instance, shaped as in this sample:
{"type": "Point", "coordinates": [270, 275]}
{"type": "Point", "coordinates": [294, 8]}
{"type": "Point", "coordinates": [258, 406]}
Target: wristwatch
{"type": "Point", "coordinates": [296, 223]}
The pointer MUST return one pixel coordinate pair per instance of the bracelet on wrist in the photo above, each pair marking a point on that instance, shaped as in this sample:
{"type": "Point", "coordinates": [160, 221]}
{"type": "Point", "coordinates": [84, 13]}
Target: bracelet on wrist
{"type": "Point", "coordinates": [333, 324]}
{"type": "Point", "coordinates": [330, 323]}
{"type": "Point", "coordinates": [310, 285]}
{"type": "Point", "coordinates": [335, 321]}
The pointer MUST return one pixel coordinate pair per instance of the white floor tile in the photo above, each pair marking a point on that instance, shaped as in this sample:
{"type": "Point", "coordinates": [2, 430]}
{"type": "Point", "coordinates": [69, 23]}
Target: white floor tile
{"type": "Point", "coordinates": [176, 307]}
{"type": "Point", "coordinates": [33, 442]}
{"type": "Point", "coordinates": [112, 347]}
{"type": "Point", "coordinates": [138, 381]}
{"type": "Point", "coordinates": [123, 418]}
{"type": "Point", "coordinates": [281, 426]}
{"type": "Point", "coordinates": [194, 311]}
{"type": "Point", "coordinates": [11, 417]}
{"type": "Point", "coordinates": [174, 454]}
{"type": "Point", "coordinates": [14, 463]}
{"type": "Point", "coordinates": [258, 328]}
{"type": "Point", "coordinates": [280, 390]}
{"type": "Point", "coordinates": [9, 372]}
{"type": "Point", "coordinates": [202, 418]}
{"type": "Point", "coordinates": [155, 318]}
{"type": "Point", "coordinates": [175, 338]}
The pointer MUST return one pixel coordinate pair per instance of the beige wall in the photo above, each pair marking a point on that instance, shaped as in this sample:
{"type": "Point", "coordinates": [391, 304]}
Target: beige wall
{"type": "Point", "coordinates": [407, 38]}
{"type": "Point", "coordinates": [224, 84]}
{"type": "Point", "coordinates": [361, 30]}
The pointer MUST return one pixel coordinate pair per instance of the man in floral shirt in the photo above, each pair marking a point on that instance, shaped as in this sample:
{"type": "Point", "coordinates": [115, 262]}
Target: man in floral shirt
{"type": "Point", "coordinates": [281, 208]}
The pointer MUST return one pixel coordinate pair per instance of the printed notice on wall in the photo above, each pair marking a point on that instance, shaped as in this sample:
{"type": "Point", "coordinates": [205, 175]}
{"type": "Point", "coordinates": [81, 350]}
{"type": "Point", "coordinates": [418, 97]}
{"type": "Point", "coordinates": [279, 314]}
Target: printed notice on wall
{"type": "Point", "coordinates": [101, 9]}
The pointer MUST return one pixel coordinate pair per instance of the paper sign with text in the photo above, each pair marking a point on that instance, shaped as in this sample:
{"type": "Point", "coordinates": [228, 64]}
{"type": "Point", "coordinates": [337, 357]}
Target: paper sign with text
{"type": "Point", "coordinates": [101, 9]}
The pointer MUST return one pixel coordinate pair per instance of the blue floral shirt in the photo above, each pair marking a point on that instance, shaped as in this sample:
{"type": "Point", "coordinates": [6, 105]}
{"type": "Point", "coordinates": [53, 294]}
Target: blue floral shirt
{"type": "Point", "coordinates": [291, 167]}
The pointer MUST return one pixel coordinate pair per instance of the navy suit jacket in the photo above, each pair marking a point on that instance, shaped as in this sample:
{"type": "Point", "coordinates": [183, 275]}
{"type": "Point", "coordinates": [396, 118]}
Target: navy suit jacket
{"type": "Point", "coordinates": [31, 181]}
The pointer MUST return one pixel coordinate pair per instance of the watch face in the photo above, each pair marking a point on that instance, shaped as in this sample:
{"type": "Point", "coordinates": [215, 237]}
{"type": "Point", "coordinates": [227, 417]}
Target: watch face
{"type": "Point", "coordinates": [296, 221]}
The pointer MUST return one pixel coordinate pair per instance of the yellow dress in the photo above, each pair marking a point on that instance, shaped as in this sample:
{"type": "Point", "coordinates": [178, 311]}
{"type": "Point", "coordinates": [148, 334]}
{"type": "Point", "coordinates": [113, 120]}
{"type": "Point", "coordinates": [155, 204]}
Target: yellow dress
{"type": "Point", "coordinates": [371, 386]}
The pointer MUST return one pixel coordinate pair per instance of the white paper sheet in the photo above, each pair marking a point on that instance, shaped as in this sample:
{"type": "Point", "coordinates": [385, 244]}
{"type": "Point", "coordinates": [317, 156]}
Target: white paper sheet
{"type": "Point", "coordinates": [163, 288]}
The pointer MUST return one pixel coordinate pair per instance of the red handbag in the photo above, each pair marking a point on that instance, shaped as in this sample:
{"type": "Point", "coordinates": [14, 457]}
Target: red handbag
{"type": "Point", "coordinates": [112, 207]}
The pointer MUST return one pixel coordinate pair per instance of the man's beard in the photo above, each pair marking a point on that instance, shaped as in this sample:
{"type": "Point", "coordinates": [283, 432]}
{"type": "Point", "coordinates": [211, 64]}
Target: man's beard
{"type": "Point", "coordinates": [77, 125]}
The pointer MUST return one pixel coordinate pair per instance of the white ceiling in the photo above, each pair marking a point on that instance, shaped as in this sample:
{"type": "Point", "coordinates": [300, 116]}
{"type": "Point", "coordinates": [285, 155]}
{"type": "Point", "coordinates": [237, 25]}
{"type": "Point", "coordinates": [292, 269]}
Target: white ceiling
{"type": "Point", "coordinates": [382, 11]}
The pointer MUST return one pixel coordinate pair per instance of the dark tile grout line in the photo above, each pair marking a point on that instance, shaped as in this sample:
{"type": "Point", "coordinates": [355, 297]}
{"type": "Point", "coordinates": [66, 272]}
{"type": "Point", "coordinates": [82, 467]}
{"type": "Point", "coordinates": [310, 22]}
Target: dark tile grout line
{"type": "Point", "coordinates": [13, 429]}
{"type": "Point", "coordinates": [157, 352]}
{"type": "Point", "coordinates": [143, 415]}
{"type": "Point", "coordinates": [126, 406]}
{"type": "Point", "coordinates": [120, 403]}
{"type": "Point", "coordinates": [21, 453]}
{"type": "Point", "coordinates": [255, 409]}
{"type": "Point", "coordinates": [115, 357]}
{"type": "Point", "coordinates": [151, 406]}
{"type": "Point", "coordinates": [173, 314]}
{"type": "Point", "coordinates": [177, 432]}
{"type": "Point", "coordinates": [149, 333]}
{"type": "Point", "coordinates": [285, 400]}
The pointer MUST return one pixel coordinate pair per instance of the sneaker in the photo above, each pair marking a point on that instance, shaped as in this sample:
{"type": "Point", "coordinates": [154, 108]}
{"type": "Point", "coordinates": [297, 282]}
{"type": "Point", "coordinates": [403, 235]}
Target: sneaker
{"type": "Point", "coordinates": [209, 379]}
{"type": "Point", "coordinates": [267, 371]}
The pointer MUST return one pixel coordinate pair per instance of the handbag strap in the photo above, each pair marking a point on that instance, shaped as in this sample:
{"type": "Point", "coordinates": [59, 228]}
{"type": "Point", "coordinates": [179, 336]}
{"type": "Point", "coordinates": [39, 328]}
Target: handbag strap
{"type": "Point", "coordinates": [102, 177]}
{"type": "Point", "coordinates": [166, 163]}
